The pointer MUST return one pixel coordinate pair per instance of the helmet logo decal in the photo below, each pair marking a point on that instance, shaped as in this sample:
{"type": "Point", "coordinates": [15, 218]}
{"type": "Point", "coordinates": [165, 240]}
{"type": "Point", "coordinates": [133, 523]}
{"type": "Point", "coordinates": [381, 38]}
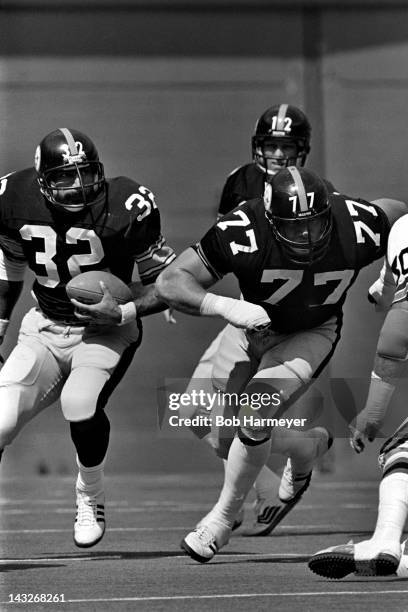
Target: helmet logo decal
{"type": "Point", "coordinates": [281, 125]}
{"type": "Point", "coordinates": [37, 158]}
{"type": "Point", "coordinates": [69, 157]}
{"type": "Point", "coordinates": [267, 196]}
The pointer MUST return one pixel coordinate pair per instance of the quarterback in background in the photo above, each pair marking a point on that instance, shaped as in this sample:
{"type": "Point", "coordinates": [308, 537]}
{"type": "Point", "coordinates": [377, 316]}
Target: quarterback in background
{"type": "Point", "coordinates": [62, 218]}
{"type": "Point", "coordinates": [295, 262]}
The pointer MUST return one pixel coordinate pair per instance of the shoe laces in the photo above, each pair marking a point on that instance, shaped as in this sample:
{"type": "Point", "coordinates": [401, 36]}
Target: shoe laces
{"type": "Point", "coordinates": [86, 509]}
{"type": "Point", "coordinates": [205, 535]}
{"type": "Point", "coordinates": [288, 474]}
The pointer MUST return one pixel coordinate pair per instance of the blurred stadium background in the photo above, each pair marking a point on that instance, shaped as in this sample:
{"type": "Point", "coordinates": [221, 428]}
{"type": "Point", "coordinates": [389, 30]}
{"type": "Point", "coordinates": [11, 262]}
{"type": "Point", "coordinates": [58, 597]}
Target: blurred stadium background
{"type": "Point", "coordinates": [169, 90]}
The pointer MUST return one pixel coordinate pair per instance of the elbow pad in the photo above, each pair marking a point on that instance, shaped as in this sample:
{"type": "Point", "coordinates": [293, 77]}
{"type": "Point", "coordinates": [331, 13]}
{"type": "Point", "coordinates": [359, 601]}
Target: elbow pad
{"type": "Point", "coordinates": [393, 341]}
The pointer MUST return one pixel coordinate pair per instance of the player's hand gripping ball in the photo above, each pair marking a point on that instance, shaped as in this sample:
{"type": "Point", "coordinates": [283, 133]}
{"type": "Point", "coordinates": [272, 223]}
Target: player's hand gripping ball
{"type": "Point", "coordinates": [97, 297]}
{"type": "Point", "coordinates": [86, 287]}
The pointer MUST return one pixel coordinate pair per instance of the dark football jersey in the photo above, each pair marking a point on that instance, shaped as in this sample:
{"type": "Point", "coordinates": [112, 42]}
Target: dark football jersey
{"type": "Point", "coordinates": [57, 245]}
{"type": "Point", "coordinates": [245, 183]}
{"type": "Point", "coordinates": [296, 297]}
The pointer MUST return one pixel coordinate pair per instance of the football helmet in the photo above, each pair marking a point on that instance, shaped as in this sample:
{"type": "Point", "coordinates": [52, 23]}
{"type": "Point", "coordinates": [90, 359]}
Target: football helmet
{"type": "Point", "coordinates": [283, 127]}
{"type": "Point", "coordinates": [300, 214]}
{"type": "Point", "coordinates": [69, 172]}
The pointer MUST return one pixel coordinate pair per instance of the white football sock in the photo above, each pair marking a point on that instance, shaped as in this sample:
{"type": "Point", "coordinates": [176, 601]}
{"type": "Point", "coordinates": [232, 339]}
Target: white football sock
{"type": "Point", "coordinates": [90, 479]}
{"type": "Point", "coordinates": [266, 484]}
{"type": "Point", "coordinates": [243, 466]}
{"type": "Point", "coordinates": [392, 508]}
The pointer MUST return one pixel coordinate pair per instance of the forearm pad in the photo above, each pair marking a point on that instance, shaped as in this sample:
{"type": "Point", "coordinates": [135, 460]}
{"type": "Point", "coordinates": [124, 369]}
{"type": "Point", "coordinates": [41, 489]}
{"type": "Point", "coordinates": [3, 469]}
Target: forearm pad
{"type": "Point", "coordinates": [375, 409]}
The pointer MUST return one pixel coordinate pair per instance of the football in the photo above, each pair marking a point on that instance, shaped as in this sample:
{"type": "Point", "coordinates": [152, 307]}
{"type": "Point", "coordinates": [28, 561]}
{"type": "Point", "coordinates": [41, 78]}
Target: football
{"type": "Point", "coordinates": [85, 287]}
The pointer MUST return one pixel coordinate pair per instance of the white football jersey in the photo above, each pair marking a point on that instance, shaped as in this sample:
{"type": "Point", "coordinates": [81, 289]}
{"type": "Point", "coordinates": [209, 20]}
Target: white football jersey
{"type": "Point", "coordinates": [397, 259]}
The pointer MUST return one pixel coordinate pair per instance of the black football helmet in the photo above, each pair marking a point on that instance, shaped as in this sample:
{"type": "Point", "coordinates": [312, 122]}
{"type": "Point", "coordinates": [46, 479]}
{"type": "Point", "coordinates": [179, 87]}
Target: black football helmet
{"type": "Point", "coordinates": [281, 124]}
{"type": "Point", "coordinates": [69, 172]}
{"type": "Point", "coordinates": [300, 214]}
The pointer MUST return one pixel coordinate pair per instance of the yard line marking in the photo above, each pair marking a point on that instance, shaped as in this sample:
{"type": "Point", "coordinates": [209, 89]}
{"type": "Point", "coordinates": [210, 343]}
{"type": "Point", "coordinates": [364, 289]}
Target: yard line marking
{"type": "Point", "coordinates": [93, 556]}
{"type": "Point", "coordinates": [123, 509]}
{"type": "Point", "coordinates": [170, 528]}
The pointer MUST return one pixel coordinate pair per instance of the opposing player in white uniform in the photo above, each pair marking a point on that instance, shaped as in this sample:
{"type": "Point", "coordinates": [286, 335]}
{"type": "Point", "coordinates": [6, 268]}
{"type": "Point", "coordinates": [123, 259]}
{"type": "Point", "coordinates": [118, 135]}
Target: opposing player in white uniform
{"type": "Point", "coordinates": [61, 218]}
{"type": "Point", "coordinates": [381, 555]}
{"type": "Point", "coordinates": [295, 263]}
{"type": "Point", "coordinates": [281, 138]}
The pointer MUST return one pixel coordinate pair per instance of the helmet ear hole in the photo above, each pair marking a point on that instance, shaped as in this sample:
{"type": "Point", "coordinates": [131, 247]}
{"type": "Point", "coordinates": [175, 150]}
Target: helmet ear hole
{"type": "Point", "coordinates": [69, 172]}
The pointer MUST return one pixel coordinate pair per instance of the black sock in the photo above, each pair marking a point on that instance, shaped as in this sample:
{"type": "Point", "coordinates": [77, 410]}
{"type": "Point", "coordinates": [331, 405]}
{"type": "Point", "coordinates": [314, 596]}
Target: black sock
{"type": "Point", "coordinates": [91, 438]}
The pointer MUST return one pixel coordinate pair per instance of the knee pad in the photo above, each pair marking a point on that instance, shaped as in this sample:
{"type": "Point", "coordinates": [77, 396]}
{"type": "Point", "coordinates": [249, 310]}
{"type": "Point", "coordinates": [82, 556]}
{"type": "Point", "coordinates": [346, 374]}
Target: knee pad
{"type": "Point", "coordinates": [286, 378]}
{"type": "Point", "coordinates": [295, 368]}
{"type": "Point", "coordinates": [395, 460]}
{"type": "Point", "coordinates": [11, 414]}
{"type": "Point", "coordinates": [79, 397]}
{"type": "Point", "coordinates": [24, 364]}
{"type": "Point", "coordinates": [77, 404]}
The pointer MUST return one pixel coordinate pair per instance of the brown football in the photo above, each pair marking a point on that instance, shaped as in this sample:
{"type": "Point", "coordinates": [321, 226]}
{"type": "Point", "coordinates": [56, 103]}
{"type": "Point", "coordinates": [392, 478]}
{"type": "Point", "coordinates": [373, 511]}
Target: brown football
{"type": "Point", "coordinates": [85, 287]}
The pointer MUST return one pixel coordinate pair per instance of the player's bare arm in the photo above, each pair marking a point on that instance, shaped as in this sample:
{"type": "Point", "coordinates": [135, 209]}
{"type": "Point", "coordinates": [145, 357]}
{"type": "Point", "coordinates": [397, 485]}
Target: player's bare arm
{"type": "Point", "coordinates": [146, 299]}
{"type": "Point", "coordinates": [183, 286]}
{"type": "Point", "coordinates": [109, 312]}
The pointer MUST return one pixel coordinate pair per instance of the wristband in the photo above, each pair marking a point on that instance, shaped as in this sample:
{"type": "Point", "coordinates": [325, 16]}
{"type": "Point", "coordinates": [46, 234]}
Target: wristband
{"type": "Point", "coordinates": [3, 326]}
{"type": "Point", "coordinates": [128, 312]}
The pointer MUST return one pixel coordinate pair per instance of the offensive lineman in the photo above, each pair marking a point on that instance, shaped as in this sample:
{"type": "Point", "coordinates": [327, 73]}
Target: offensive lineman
{"type": "Point", "coordinates": [295, 263]}
{"type": "Point", "coordinates": [281, 138]}
{"type": "Point", "coordinates": [61, 218]}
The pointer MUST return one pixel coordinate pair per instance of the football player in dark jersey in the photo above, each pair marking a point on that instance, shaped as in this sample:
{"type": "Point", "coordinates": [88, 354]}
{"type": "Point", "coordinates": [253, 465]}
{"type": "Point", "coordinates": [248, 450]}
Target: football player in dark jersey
{"type": "Point", "coordinates": [61, 218]}
{"type": "Point", "coordinates": [281, 137]}
{"type": "Point", "coordinates": [295, 262]}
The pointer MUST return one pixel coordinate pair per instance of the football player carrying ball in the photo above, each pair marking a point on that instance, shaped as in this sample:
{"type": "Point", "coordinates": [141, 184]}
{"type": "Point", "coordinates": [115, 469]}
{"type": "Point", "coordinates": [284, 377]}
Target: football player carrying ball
{"type": "Point", "coordinates": [62, 218]}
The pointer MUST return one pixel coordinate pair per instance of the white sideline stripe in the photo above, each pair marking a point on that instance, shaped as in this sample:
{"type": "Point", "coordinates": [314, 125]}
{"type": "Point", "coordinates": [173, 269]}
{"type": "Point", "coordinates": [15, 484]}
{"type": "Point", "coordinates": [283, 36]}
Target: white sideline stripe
{"type": "Point", "coordinates": [231, 596]}
{"type": "Point", "coordinates": [149, 529]}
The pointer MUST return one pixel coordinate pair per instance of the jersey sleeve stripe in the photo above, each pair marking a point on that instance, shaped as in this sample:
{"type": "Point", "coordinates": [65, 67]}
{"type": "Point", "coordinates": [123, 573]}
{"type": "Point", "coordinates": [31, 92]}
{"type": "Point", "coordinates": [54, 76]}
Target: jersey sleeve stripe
{"type": "Point", "coordinates": [401, 292]}
{"type": "Point", "coordinates": [151, 269]}
{"type": "Point", "coordinates": [160, 242]}
{"type": "Point", "coordinates": [198, 249]}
